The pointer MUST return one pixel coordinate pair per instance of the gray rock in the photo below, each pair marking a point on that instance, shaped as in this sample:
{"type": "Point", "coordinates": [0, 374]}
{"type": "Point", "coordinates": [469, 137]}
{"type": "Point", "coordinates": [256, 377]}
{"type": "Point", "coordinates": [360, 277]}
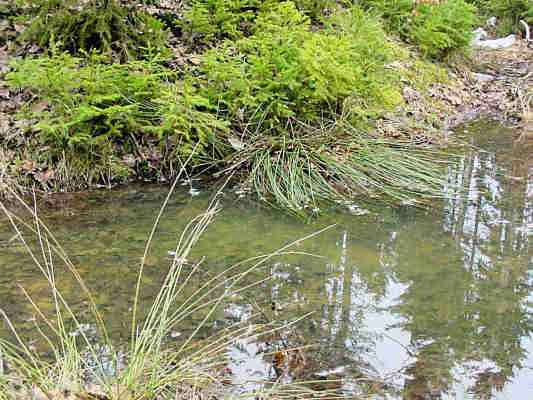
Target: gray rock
{"type": "Point", "coordinates": [492, 22]}
{"type": "Point", "coordinates": [479, 35]}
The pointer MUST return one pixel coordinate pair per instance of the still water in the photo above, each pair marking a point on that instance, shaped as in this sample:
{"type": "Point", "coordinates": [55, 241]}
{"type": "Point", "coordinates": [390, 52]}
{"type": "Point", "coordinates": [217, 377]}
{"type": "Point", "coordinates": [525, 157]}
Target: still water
{"type": "Point", "coordinates": [406, 304]}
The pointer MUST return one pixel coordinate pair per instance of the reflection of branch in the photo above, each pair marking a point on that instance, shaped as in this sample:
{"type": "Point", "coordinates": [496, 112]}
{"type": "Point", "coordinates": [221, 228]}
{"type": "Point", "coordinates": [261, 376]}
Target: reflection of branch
{"type": "Point", "coordinates": [409, 353]}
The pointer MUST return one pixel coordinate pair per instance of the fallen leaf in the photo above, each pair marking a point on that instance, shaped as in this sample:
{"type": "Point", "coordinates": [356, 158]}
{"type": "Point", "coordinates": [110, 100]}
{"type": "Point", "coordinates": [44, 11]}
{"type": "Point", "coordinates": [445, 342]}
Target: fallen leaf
{"type": "Point", "coordinates": [195, 60]}
{"type": "Point", "coordinates": [28, 165]}
{"type": "Point", "coordinates": [40, 106]}
{"type": "Point", "coordinates": [45, 176]}
{"type": "Point", "coordinates": [129, 160]}
{"type": "Point", "coordinates": [4, 93]}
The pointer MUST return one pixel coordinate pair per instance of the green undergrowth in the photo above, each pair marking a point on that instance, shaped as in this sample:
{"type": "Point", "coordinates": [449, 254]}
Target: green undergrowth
{"type": "Point", "coordinates": [102, 112]}
{"type": "Point", "coordinates": [284, 71]}
{"type": "Point", "coordinates": [336, 164]}
{"type": "Point", "coordinates": [208, 20]}
{"type": "Point", "coordinates": [102, 25]}
{"type": "Point", "coordinates": [285, 96]}
{"type": "Point", "coordinates": [508, 12]}
{"type": "Point", "coordinates": [436, 29]}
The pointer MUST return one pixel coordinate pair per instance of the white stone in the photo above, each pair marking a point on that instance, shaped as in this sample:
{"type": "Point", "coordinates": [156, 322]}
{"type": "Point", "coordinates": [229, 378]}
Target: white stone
{"type": "Point", "coordinates": [491, 22]}
{"type": "Point", "coordinates": [495, 44]}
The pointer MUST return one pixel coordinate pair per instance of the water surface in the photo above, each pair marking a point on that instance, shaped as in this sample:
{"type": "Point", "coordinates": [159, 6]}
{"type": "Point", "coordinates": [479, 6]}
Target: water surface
{"type": "Point", "coordinates": [407, 304]}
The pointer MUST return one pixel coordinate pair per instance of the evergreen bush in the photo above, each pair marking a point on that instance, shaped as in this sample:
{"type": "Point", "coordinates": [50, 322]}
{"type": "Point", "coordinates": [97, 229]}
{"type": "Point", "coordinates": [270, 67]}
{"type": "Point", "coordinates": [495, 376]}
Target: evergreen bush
{"type": "Point", "coordinates": [102, 25]}
{"type": "Point", "coordinates": [233, 19]}
{"type": "Point", "coordinates": [436, 28]}
{"type": "Point", "coordinates": [509, 12]}
{"type": "Point", "coordinates": [397, 14]}
{"type": "Point", "coordinates": [441, 28]}
{"type": "Point", "coordinates": [108, 110]}
{"type": "Point", "coordinates": [284, 71]}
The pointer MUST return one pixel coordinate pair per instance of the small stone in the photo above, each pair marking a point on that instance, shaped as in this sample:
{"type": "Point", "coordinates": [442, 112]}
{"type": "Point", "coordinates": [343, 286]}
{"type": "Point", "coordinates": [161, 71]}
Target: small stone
{"type": "Point", "coordinates": [483, 77]}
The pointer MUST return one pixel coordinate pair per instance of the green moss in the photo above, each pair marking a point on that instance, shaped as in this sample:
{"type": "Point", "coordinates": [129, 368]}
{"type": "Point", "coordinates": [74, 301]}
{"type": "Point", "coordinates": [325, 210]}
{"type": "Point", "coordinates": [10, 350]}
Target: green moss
{"type": "Point", "coordinates": [422, 74]}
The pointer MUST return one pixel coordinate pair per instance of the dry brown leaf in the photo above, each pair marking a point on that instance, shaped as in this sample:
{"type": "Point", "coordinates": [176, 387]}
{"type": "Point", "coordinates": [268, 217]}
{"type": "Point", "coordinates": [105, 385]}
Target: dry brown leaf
{"type": "Point", "coordinates": [45, 176]}
{"type": "Point", "coordinates": [40, 106]}
{"type": "Point", "coordinates": [195, 60]}
{"type": "Point", "coordinates": [28, 165]}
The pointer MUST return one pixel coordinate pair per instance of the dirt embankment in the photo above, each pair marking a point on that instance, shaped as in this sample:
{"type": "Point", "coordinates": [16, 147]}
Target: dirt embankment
{"type": "Point", "coordinates": [500, 84]}
{"type": "Point", "coordinates": [494, 84]}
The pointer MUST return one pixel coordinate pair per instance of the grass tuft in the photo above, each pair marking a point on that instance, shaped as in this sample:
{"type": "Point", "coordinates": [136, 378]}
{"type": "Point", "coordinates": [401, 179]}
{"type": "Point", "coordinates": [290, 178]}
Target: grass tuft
{"type": "Point", "coordinates": [153, 367]}
{"type": "Point", "coordinates": [338, 164]}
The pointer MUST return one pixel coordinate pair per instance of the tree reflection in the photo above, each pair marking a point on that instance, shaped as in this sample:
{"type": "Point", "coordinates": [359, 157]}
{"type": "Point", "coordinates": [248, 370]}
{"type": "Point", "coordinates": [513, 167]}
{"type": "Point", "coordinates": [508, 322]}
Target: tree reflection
{"type": "Point", "coordinates": [418, 305]}
{"type": "Point", "coordinates": [459, 295]}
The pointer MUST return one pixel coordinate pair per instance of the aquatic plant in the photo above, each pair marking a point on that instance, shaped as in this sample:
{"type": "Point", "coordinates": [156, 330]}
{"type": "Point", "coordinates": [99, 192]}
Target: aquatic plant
{"type": "Point", "coordinates": [337, 164]}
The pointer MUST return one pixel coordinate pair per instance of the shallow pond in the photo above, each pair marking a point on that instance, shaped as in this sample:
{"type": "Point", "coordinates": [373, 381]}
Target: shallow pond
{"type": "Point", "coordinates": [407, 304]}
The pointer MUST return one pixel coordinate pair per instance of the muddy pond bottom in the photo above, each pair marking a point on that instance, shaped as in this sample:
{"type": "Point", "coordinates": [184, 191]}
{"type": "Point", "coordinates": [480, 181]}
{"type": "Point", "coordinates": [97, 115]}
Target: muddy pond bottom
{"type": "Point", "coordinates": [403, 303]}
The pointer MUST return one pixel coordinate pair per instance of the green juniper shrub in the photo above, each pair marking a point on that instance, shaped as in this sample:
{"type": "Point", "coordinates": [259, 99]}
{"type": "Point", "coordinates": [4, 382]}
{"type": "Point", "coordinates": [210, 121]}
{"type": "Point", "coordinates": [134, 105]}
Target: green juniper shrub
{"type": "Point", "coordinates": [87, 101]}
{"type": "Point", "coordinates": [188, 123]}
{"type": "Point", "coordinates": [102, 25]}
{"type": "Point", "coordinates": [211, 20]}
{"type": "Point", "coordinates": [436, 28]}
{"type": "Point", "coordinates": [11, 12]}
{"type": "Point", "coordinates": [441, 28]}
{"type": "Point", "coordinates": [284, 71]}
{"type": "Point", "coordinates": [397, 14]}
{"type": "Point", "coordinates": [510, 12]}
{"type": "Point", "coordinates": [284, 82]}
{"type": "Point", "coordinates": [318, 9]}
{"type": "Point", "coordinates": [295, 93]}
{"type": "Point", "coordinates": [98, 111]}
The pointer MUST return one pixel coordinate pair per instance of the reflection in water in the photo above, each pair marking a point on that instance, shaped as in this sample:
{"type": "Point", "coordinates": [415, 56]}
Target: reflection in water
{"type": "Point", "coordinates": [451, 317]}
{"type": "Point", "coordinates": [406, 304]}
